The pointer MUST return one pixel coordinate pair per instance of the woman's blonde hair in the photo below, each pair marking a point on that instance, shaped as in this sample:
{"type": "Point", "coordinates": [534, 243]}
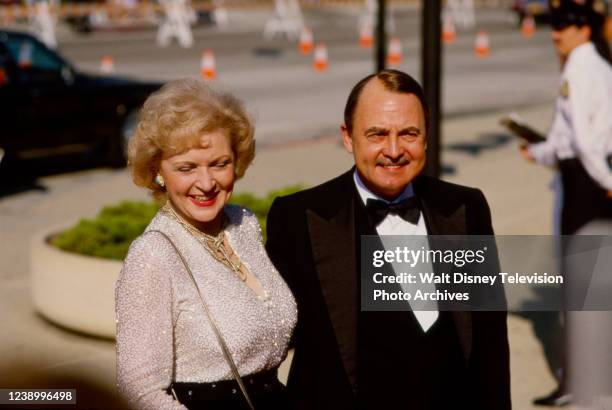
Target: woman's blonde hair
{"type": "Point", "coordinates": [172, 121]}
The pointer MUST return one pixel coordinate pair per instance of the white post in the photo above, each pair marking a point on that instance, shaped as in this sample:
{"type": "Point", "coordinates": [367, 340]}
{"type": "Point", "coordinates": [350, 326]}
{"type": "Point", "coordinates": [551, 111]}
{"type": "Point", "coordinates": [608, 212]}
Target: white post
{"type": "Point", "coordinates": [469, 15]}
{"type": "Point", "coordinates": [462, 12]}
{"type": "Point", "coordinates": [41, 22]}
{"type": "Point", "coordinates": [368, 18]}
{"type": "Point", "coordinates": [287, 20]}
{"type": "Point", "coordinates": [177, 23]}
{"type": "Point", "coordinates": [220, 14]}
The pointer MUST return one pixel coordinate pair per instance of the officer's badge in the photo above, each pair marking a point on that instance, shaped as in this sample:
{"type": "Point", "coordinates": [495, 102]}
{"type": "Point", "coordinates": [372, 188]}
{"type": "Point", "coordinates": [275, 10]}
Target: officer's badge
{"type": "Point", "coordinates": [564, 91]}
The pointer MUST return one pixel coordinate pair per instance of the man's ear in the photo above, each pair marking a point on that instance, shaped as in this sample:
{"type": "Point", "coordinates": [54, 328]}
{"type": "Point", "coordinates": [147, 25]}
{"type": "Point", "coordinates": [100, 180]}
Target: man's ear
{"type": "Point", "coordinates": [586, 32]}
{"type": "Point", "coordinates": [346, 138]}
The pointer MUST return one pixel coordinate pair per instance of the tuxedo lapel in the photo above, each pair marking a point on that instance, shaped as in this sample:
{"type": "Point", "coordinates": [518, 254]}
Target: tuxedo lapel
{"type": "Point", "coordinates": [333, 247]}
{"type": "Point", "coordinates": [442, 218]}
{"type": "Point", "coordinates": [440, 223]}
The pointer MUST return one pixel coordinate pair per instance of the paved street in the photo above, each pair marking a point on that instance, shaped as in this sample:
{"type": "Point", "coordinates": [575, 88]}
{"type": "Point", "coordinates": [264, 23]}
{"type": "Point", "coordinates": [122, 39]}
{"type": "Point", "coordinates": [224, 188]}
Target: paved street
{"type": "Point", "coordinates": [290, 100]}
{"type": "Point", "coordinates": [298, 113]}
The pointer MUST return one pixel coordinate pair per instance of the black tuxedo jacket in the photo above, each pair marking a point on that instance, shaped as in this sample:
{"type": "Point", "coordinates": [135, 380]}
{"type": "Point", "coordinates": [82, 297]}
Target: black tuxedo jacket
{"type": "Point", "coordinates": [312, 241]}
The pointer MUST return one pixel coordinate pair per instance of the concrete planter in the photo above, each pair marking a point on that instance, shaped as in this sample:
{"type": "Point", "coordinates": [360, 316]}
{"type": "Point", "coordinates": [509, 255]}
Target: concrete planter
{"type": "Point", "coordinates": [74, 291]}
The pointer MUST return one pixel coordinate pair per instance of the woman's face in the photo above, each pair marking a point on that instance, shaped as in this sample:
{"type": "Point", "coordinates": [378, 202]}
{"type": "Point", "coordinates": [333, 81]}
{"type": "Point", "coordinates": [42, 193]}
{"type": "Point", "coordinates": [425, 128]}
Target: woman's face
{"type": "Point", "coordinates": [199, 182]}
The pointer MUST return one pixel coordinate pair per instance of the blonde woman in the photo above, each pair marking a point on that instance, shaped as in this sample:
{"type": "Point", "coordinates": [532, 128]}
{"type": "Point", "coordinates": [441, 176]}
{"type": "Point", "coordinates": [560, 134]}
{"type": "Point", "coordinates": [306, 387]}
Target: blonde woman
{"type": "Point", "coordinates": [203, 317]}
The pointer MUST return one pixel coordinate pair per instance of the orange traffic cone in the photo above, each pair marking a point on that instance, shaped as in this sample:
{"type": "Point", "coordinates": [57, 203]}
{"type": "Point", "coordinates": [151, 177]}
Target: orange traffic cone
{"type": "Point", "coordinates": [306, 41]}
{"type": "Point", "coordinates": [366, 36]}
{"type": "Point", "coordinates": [320, 58]}
{"type": "Point", "coordinates": [394, 55]}
{"type": "Point", "coordinates": [481, 45]}
{"type": "Point", "coordinates": [449, 34]}
{"type": "Point", "coordinates": [107, 65]}
{"type": "Point", "coordinates": [208, 69]}
{"type": "Point", "coordinates": [528, 27]}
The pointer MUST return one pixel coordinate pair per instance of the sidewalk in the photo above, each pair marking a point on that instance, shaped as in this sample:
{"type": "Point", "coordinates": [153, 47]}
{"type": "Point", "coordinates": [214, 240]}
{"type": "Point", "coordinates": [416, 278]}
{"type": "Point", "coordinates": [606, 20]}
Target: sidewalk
{"type": "Point", "coordinates": [36, 353]}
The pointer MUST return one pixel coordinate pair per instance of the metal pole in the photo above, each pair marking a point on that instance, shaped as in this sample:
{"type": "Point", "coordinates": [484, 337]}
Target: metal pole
{"type": "Point", "coordinates": [431, 68]}
{"type": "Point", "coordinates": [381, 36]}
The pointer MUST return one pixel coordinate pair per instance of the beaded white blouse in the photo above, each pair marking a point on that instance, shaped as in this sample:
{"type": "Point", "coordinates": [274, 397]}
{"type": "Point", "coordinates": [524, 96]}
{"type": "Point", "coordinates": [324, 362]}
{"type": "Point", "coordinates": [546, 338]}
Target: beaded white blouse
{"type": "Point", "coordinates": [163, 333]}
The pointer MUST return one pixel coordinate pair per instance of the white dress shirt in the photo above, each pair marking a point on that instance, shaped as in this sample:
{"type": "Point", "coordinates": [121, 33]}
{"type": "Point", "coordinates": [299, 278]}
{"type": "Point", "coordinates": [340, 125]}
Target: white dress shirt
{"type": "Point", "coordinates": [395, 225]}
{"type": "Point", "coordinates": [582, 125]}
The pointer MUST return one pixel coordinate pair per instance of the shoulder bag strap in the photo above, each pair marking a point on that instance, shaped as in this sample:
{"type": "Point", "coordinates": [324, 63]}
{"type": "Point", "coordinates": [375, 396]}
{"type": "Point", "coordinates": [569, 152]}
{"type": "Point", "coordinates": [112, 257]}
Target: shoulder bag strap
{"type": "Point", "coordinates": [224, 348]}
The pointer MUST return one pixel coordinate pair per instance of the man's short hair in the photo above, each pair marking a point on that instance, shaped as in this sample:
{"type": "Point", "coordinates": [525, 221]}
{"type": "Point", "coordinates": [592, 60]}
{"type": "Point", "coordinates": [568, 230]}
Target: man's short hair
{"type": "Point", "coordinates": [392, 80]}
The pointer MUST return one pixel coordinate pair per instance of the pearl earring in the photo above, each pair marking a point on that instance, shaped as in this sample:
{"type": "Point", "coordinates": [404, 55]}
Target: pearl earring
{"type": "Point", "coordinates": [159, 180]}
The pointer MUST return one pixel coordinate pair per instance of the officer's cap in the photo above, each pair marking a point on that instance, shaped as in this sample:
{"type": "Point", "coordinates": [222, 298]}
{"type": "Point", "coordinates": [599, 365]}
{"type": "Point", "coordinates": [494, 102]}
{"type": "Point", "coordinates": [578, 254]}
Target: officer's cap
{"type": "Point", "coordinates": [565, 13]}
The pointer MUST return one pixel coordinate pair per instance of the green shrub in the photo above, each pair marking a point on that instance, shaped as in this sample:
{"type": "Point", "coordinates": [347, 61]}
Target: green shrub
{"type": "Point", "coordinates": [111, 232]}
{"type": "Point", "coordinates": [261, 205]}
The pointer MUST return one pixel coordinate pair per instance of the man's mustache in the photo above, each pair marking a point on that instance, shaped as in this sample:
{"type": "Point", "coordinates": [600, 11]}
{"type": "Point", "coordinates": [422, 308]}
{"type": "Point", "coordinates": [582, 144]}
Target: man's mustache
{"type": "Point", "coordinates": [393, 162]}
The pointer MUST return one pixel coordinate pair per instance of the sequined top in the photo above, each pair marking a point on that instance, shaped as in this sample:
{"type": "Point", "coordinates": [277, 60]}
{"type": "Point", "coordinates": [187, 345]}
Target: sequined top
{"type": "Point", "coordinates": [163, 333]}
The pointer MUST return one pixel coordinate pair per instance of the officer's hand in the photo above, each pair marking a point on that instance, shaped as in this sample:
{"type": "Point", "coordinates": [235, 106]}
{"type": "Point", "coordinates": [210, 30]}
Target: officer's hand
{"type": "Point", "coordinates": [524, 150]}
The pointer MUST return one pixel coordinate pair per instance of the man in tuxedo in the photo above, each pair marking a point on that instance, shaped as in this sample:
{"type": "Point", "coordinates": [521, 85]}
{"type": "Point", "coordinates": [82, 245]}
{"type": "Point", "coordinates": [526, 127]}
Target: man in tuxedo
{"type": "Point", "coordinates": [348, 359]}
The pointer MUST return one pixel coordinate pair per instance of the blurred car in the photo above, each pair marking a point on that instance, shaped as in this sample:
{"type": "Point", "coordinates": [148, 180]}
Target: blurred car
{"type": "Point", "coordinates": [48, 108]}
{"type": "Point", "coordinates": [538, 9]}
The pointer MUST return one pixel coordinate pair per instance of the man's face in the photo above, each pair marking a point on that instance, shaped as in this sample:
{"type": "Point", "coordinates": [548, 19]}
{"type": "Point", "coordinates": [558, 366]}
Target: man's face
{"type": "Point", "coordinates": [388, 139]}
{"type": "Point", "coordinates": [568, 38]}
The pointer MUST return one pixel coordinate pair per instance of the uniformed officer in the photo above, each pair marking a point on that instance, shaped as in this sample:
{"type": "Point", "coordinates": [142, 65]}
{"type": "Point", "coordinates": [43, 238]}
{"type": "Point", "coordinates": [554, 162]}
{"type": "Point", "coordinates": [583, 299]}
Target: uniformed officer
{"type": "Point", "coordinates": [579, 142]}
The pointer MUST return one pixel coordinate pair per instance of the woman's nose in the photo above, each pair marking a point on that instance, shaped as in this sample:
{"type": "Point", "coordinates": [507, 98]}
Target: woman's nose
{"type": "Point", "coordinates": [205, 180]}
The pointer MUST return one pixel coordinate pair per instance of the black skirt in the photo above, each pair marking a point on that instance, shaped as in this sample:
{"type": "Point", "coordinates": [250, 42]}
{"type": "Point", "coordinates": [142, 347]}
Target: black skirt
{"type": "Point", "coordinates": [264, 388]}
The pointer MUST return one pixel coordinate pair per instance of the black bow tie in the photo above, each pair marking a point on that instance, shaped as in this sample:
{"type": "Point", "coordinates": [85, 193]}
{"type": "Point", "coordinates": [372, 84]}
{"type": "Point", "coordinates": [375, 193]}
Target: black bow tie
{"type": "Point", "coordinates": [408, 210]}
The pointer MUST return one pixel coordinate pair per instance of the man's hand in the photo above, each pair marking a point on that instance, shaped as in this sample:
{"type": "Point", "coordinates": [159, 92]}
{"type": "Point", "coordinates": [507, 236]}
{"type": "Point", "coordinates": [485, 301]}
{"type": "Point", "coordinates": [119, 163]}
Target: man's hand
{"type": "Point", "coordinates": [609, 195]}
{"type": "Point", "coordinates": [524, 150]}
